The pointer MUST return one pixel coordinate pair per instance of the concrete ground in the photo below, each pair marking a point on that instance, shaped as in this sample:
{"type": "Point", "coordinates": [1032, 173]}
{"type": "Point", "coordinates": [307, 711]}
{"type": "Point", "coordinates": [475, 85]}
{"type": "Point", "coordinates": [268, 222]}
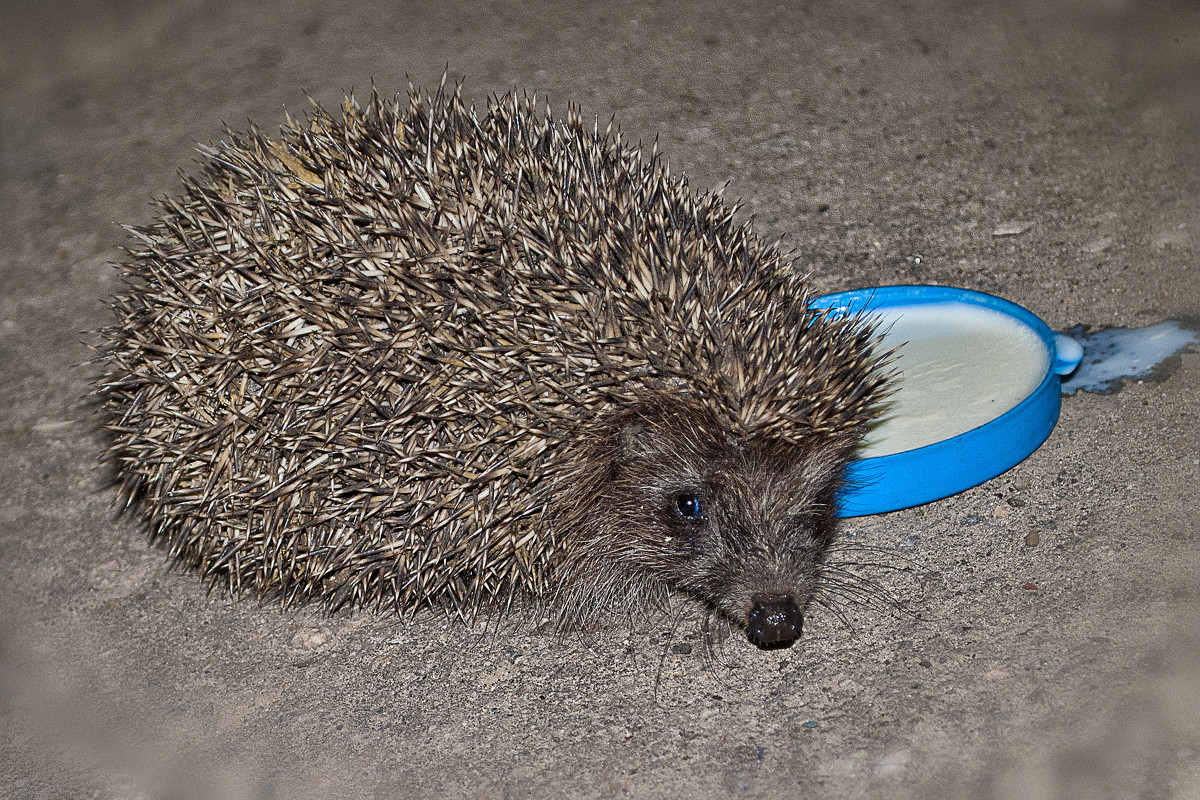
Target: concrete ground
{"type": "Point", "coordinates": [890, 142]}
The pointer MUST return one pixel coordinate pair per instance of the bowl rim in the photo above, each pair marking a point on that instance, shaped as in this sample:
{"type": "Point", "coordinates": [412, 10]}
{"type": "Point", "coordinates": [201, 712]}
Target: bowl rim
{"type": "Point", "coordinates": [879, 484]}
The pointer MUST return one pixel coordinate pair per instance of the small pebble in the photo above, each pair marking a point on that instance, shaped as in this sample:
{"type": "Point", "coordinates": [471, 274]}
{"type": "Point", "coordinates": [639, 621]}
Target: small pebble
{"type": "Point", "coordinates": [1029, 587]}
{"type": "Point", "coordinates": [310, 639]}
{"type": "Point", "coordinates": [56, 425]}
{"type": "Point", "coordinates": [1032, 539]}
{"type": "Point", "coordinates": [892, 763]}
{"type": "Point", "coordinates": [1011, 228]}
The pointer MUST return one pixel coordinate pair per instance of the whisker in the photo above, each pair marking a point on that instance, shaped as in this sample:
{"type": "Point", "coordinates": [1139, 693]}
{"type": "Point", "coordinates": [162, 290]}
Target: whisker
{"type": "Point", "coordinates": [837, 613]}
{"type": "Point", "coordinates": [716, 630]}
{"type": "Point", "coordinates": [677, 614]}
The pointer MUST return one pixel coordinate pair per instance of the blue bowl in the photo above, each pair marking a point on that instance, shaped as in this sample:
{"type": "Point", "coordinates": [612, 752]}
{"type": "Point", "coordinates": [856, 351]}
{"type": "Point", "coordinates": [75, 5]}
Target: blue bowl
{"type": "Point", "coordinates": [911, 477]}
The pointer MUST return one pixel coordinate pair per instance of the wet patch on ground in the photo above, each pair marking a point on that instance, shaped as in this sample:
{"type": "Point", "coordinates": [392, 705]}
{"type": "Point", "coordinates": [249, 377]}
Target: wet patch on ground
{"type": "Point", "coordinates": [1111, 355]}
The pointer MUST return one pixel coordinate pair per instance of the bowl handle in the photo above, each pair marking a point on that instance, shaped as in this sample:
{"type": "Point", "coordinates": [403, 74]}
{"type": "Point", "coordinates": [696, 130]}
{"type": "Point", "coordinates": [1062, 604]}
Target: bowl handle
{"type": "Point", "coordinates": [1067, 354]}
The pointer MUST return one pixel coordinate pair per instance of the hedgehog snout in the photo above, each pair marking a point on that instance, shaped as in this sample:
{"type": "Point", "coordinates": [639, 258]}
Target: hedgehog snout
{"type": "Point", "coordinates": [775, 621]}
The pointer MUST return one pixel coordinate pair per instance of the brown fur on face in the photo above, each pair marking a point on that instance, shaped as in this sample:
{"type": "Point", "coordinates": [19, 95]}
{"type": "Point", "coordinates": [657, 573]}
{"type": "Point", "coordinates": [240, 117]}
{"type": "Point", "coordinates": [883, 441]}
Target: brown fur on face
{"type": "Point", "coordinates": [679, 503]}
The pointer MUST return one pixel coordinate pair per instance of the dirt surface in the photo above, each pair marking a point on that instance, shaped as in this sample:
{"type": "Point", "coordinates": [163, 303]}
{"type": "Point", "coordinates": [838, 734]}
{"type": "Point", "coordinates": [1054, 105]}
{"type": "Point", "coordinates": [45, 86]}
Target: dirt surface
{"type": "Point", "coordinates": [890, 143]}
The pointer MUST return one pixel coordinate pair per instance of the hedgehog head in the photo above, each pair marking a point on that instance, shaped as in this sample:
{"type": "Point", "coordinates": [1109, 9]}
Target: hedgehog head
{"type": "Point", "coordinates": [683, 502]}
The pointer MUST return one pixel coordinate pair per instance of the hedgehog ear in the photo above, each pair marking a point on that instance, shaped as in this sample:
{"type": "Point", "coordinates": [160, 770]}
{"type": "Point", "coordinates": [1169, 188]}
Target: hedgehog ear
{"type": "Point", "coordinates": [631, 441]}
{"type": "Point", "coordinates": [635, 439]}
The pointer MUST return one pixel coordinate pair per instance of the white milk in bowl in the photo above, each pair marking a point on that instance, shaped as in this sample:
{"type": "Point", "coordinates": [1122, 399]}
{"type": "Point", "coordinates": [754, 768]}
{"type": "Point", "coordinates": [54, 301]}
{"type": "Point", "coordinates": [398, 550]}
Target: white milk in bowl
{"type": "Point", "coordinates": [960, 365]}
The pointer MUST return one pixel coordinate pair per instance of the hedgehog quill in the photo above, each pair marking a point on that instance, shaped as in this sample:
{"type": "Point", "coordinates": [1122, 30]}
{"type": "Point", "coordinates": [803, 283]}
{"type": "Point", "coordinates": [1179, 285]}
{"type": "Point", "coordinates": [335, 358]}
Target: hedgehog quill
{"type": "Point", "coordinates": [420, 354]}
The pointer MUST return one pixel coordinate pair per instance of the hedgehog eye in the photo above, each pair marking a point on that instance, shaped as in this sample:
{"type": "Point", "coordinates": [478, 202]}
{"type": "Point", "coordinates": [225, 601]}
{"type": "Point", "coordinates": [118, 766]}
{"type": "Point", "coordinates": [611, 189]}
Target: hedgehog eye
{"type": "Point", "coordinates": [687, 505]}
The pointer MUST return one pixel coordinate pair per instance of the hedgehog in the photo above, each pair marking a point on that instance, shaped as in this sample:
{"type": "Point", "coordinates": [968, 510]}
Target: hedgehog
{"type": "Point", "coordinates": [422, 355]}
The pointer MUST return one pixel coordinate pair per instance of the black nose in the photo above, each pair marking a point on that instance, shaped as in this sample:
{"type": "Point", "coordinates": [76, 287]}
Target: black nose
{"type": "Point", "coordinates": [774, 621]}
